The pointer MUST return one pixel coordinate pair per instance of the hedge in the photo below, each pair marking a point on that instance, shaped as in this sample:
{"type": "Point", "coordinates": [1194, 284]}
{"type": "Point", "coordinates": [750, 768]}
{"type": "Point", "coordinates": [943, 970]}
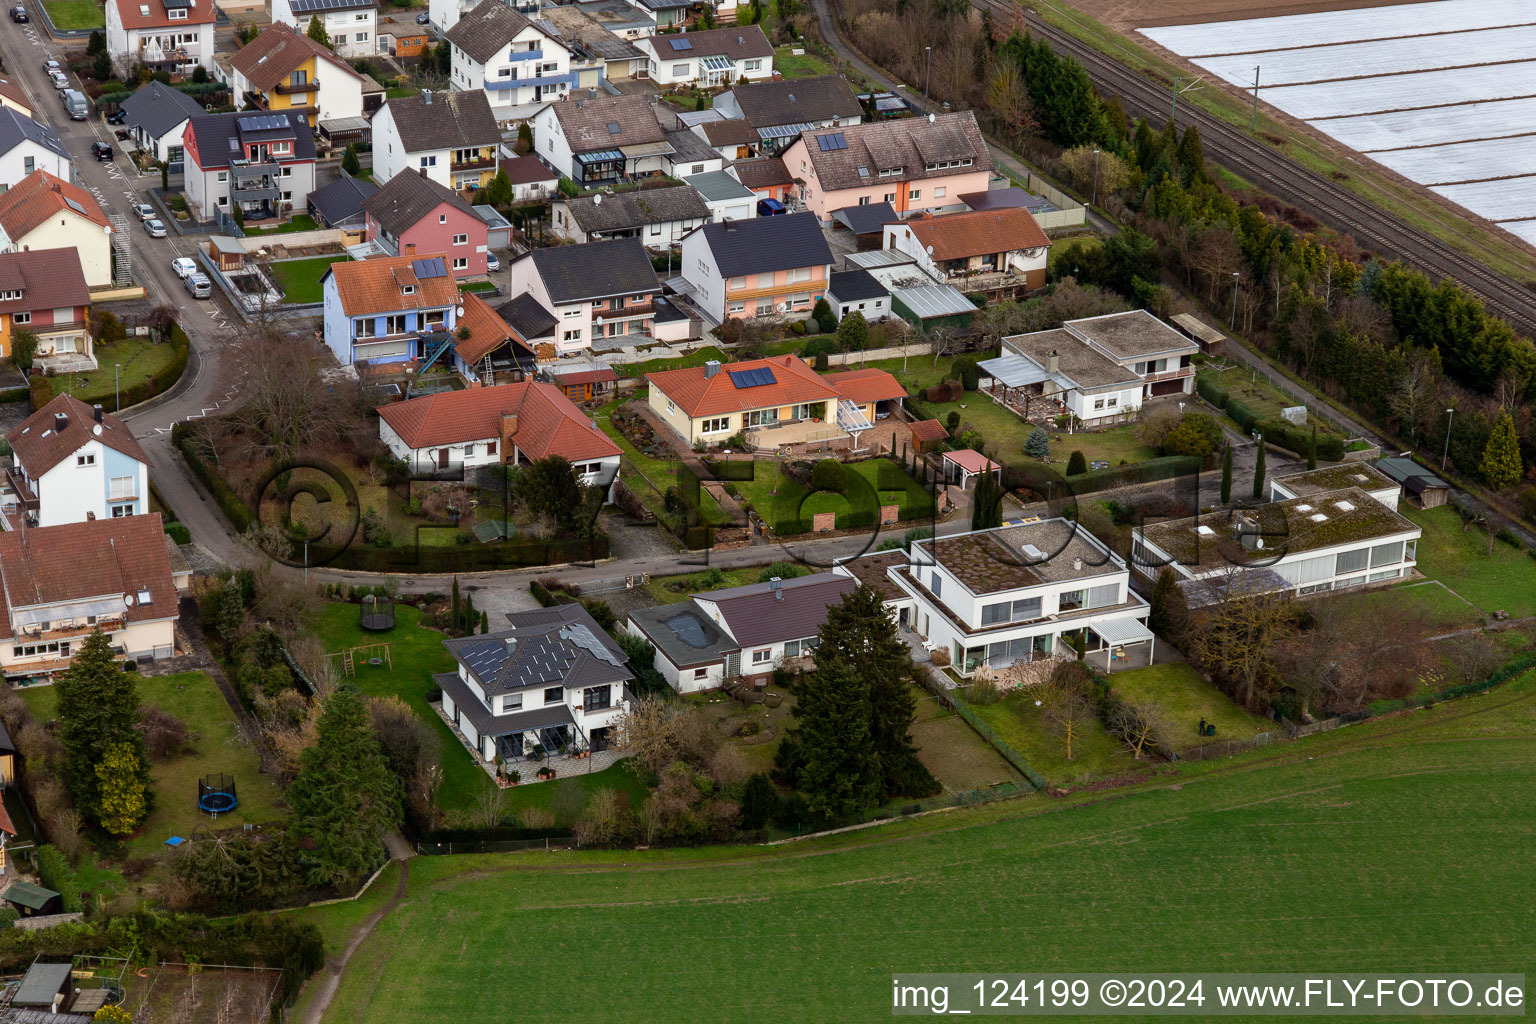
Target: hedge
{"type": "Point", "coordinates": [1330, 448]}
{"type": "Point", "coordinates": [178, 532]}
{"type": "Point", "coordinates": [40, 391]}
{"type": "Point", "coordinates": [1211, 392]}
{"type": "Point", "coordinates": [169, 374]}
{"type": "Point", "coordinates": [462, 557]}
{"type": "Point", "coordinates": [1242, 414]}
{"type": "Point", "coordinates": [15, 395]}
{"type": "Point", "coordinates": [234, 507]}
{"type": "Point", "coordinates": [56, 874]}
{"type": "Point", "coordinates": [1164, 468]}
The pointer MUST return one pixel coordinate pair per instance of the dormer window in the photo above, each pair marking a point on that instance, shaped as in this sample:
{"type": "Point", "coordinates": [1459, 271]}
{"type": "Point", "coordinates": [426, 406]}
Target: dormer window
{"type": "Point", "coordinates": [409, 289]}
{"type": "Point", "coordinates": [9, 296]}
{"type": "Point", "coordinates": [145, 597]}
{"type": "Point", "coordinates": [176, 14]}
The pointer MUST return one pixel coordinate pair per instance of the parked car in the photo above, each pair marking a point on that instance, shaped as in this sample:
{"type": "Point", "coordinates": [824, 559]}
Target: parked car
{"type": "Point", "coordinates": [183, 266]}
{"type": "Point", "coordinates": [155, 227]}
{"type": "Point", "coordinates": [423, 18]}
{"type": "Point", "coordinates": [20, 14]}
{"type": "Point", "coordinates": [199, 286]}
{"type": "Point", "coordinates": [51, 65]}
{"type": "Point", "coordinates": [101, 150]}
{"type": "Point", "coordinates": [143, 211]}
{"type": "Point", "coordinates": [118, 117]}
{"type": "Point", "coordinates": [78, 106]}
{"type": "Point", "coordinates": [492, 264]}
{"type": "Point", "coordinates": [59, 79]}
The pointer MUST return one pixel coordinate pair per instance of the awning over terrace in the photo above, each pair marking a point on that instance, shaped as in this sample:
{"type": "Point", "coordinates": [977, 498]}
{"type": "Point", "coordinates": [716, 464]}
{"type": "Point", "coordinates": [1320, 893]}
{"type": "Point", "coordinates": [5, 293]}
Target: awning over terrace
{"type": "Point", "coordinates": [1015, 371]}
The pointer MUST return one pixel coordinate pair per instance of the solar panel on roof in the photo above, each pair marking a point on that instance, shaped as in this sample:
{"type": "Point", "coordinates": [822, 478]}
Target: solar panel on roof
{"type": "Point", "coordinates": [754, 378]}
{"type": "Point", "coordinates": [582, 637]}
{"type": "Point", "coordinates": [829, 143]}
{"type": "Point", "coordinates": [174, 4]}
{"type": "Point", "coordinates": [429, 268]}
{"type": "Point", "coordinates": [74, 206]}
{"type": "Point", "coordinates": [682, 44]}
{"type": "Point", "coordinates": [261, 123]}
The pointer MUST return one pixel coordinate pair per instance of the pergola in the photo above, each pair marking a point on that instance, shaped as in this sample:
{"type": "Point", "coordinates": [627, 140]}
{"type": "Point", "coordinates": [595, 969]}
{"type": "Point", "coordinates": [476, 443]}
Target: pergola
{"type": "Point", "coordinates": [1118, 633]}
{"type": "Point", "coordinates": [969, 463]}
{"type": "Point", "coordinates": [1017, 374]}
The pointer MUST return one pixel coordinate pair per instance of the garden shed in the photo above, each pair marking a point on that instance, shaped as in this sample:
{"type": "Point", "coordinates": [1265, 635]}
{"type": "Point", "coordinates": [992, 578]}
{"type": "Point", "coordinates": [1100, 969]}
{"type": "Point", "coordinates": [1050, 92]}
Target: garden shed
{"type": "Point", "coordinates": [47, 985]}
{"type": "Point", "coordinates": [927, 435]}
{"type": "Point", "coordinates": [31, 900]}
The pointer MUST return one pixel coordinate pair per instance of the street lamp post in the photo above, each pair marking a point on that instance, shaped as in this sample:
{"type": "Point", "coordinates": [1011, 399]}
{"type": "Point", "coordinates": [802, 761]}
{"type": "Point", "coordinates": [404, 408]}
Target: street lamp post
{"type": "Point", "coordinates": [927, 70]}
{"type": "Point", "coordinates": [1095, 198]}
{"type": "Point", "coordinates": [1450, 414]}
{"type": "Point", "coordinates": [1232, 324]}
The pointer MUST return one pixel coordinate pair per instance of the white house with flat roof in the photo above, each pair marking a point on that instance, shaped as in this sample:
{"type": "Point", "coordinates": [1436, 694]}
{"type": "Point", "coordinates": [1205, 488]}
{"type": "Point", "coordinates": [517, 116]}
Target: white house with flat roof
{"type": "Point", "coordinates": [1141, 343]}
{"type": "Point", "coordinates": [1331, 478]}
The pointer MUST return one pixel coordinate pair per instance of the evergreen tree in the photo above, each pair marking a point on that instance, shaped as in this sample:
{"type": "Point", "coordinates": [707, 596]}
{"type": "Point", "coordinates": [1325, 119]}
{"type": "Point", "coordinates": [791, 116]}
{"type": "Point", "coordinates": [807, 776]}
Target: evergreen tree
{"type": "Point", "coordinates": [1077, 463]}
{"type": "Point", "coordinates": [839, 770]}
{"type": "Point", "coordinates": [119, 778]}
{"type": "Point", "coordinates": [1226, 474]}
{"type": "Point", "coordinates": [454, 607]}
{"type": "Point", "coordinates": [1038, 445]}
{"type": "Point", "coordinates": [1191, 156]}
{"type": "Point", "coordinates": [1312, 449]}
{"type": "Point", "coordinates": [349, 160]}
{"type": "Point", "coordinates": [759, 802]}
{"type": "Point", "coordinates": [318, 33]}
{"type": "Point", "coordinates": [1501, 466]}
{"type": "Point", "coordinates": [499, 192]}
{"type": "Point", "coordinates": [98, 708]}
{"type": "Point", "coordinates": [1258, 471]}
{"type": "Point", "coordinates": [987, 503]}
{"type": "Point", "coordinates": [485, 623]}
{"type": "Point", "coordinates": [101, 66]}
{"type": "Point", "coordinates": [823, 315]}
{"type": "Point", "coordinates": [97, 43]}
{"type": "Point", "coordinates": [1157, 616]}
{"type": "Point", "coordinates": [345, 798]}
{"type": "Point", "coordinates": [853, 332]}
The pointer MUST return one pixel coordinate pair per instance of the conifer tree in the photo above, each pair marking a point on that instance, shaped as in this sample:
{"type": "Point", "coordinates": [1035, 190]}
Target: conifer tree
{"type": "Point", "coordinates": [98, 708]}
{"type": "Point", "coordinates": [1226, 474]}
{"type": "Point", "coordinates": [1501, 464]}
{"type": "Point", "coordinates": [839, 772]}
{"type": "Point", "coordinates": [1258, 471]}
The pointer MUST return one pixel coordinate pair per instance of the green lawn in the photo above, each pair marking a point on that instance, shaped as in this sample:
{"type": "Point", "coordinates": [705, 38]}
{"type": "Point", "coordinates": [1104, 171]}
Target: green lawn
{"type": "Point", "coordinates": [659, 472]}
{"type": "Point", "coordinates": [805, 65]}
{"type": "Point", "coordinates": [1442, 609]}
{"type": "Point", "coordinates": [415, 654]}
{"type": "Point", "coordinates": [478, 286]}
{"type": "Point", "coordinates": [1115, 445]}
{"type": "Point", "coordinates": [1095, 753]}
{"type": "Point", "coordinates": [193, 698]}
{"type": "Point", "coordinates": [660, 587]}
{"type": "Point", "coordinates": [1257, 393]}
{"type": "Point", "coordinates": [696, 358]}
{"type": "Point", "coordinates": [543, 794]}
{"type": "Point", "coordinates": [136, 360]}
{"type": "Point", "coordinates": [780, 500]}
{"type": "Point", "coordinates": [1505, 580]}
{"type": "Point", "coordinates": [1178, 697]}
{"type": "Point", "coordinates": [299, 222]}
{"type": "Point", "coordinates": [69, 15]}
{"type": "Point", "coordinates": [300, 279]}
{"type": "Point", "coordinates": [1212, 866]}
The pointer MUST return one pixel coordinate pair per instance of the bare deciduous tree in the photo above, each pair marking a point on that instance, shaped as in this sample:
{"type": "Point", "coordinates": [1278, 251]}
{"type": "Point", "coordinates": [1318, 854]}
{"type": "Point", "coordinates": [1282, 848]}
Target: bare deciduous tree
{"type": "Point", "coordinates": [1238, 638]}
{"type": "Point", "coordinates": [649, 729]}
{"type": "Point", "coordinates": [1414, 394]}
{"type": "Point", "coordinates": [1067, 710]}
{"type": "Point", "coordinates": [1135, 725]}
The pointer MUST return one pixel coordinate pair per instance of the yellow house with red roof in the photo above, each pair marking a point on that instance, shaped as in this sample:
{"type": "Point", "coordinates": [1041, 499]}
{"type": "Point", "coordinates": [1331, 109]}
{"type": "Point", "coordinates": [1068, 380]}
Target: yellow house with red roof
{"type": "Point", "coordinates": [776, 401]}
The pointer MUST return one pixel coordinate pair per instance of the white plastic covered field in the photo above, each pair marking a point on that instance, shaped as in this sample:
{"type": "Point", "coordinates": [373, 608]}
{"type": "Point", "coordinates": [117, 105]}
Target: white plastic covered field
{"type": "Point", "coordinates": [1444, 93]}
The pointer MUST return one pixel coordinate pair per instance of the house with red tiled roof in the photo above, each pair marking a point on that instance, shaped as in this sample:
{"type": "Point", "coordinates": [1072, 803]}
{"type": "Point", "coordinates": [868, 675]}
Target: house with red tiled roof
{"type": "Point", "coordinates": [510, 424]}
{"type": "Point", "coordinates": [491, 350]}
{"type": "Point", "coordinates": [44, 291]}
{"type": "Point", "coordinates": [997, 252]}
{"type": "Point", "coordinates": [59, 584]}
{"type": "Point", "coordinates": [45, 212]}
{"type": "Point", "coordinates": [775, 401]}
{"type": "Point", "coordinates": [388, 310]}
{"type": "Point", "coordinates": [73, 462]}
{"type": "Point", "coordinates": [164, 35]}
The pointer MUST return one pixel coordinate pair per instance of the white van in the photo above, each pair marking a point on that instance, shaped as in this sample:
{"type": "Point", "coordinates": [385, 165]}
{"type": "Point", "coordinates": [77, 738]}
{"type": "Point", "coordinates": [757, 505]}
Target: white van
{"type": "Point", "coordinates": [199, 285]}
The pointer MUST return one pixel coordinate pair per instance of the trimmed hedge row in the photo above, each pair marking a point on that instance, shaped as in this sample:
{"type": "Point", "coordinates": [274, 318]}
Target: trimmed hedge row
{"type": "Point", "coordinates": [233, 506]}
{"type": "Point", "coordinates": [853, 519]}
{"type": "Point", "coordinates": [1276, 431]}
{"type": "Point", "coordinates": [463, 557]}
{"type": "Point", "coordinates": [1164, 468]}
{"type": "Point", "coordinates": [56, 874]}
{"type": "Point", "coordinates": [169, 374]}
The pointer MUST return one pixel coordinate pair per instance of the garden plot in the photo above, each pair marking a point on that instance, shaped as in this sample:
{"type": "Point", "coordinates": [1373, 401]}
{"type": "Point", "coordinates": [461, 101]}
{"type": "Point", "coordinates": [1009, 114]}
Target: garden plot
{"type": "Point", "coordinates": [1440, 92]}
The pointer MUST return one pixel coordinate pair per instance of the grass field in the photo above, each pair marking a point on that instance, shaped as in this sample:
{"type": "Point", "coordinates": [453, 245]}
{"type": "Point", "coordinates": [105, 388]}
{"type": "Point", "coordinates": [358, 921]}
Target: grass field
{"type": "Point", "coordinates": [1419, 826]}
{"type": "Point", "coordinates": [1257, 393]}
{"type": "Point", "coordinates": [780, 500]}
{"type": "Point", "coordinates": [1095, 753]}
{"type": "Point", "coordinates": [135, 360]}
{"type": "Point", "coordinates": [217, 747]}
{"type": "Point", "coordinates": [300, 279]}
{"type": "Point", "coordinates": [1504, 580]}
{"type": "Point", "coordinates": [69, 15]}
{"type": "Point", "coordinates": [661, 587]}
{"type": "Point", "coordinates": [1179, 698]}
{"type": "Point", "coordinates": [1442, 609]}
{"type": "Point", "coordinates": [804, 65]}
{"type": "Point", "coordinates": [299, 222]}
{"type": "Point", "coordinates": [959, 758]}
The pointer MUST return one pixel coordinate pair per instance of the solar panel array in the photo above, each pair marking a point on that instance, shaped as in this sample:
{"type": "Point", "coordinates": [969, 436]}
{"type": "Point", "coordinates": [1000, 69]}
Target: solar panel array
{"type": "Point", "coordinates": [682, 44]}
{"type": "Point", "coordinates": [429, 268]}
{"type": "Point", "coordinates": [829, 143]}
{"type": "Point", "coordinates": [582, 637]}
{"type": "Point", "coordinates": [324, 5]}
{"type": "Point", "coordinates": [755, 378]}
{"type": "Point", "coordinates": [261, 123]}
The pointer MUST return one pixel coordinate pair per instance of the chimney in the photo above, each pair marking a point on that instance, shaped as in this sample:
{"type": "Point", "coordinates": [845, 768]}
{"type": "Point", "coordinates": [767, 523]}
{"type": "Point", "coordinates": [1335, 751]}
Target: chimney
{"type": "Point", "coordinates": [60, 421]}
{"type": "Point", "coordinates": [99, 413]}
{"type": "Point", "coordinates": [426, 96]}
{"type": "Point", "coordinates": [1052, 362]}
{"type": "Point", "coordinates": [592, 92]}
{"type": "Point", "coordinates": [776, 584]}
{"type": "Point", "coordinates": [711, 367]}
{"type": "Point", "coordinates": [508, 428]}
{"type": "Point", "coordinates": [511, 645]}
{"type": "Point", "coordinates": [730, 224]}
{"type": "Point", "coordinates": [421, 171]}
{"type": "Point", "coordinates": [1077, 565]}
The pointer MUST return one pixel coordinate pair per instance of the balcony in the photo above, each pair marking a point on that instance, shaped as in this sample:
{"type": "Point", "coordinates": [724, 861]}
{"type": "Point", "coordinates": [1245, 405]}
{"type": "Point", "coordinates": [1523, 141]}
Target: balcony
{"type": "Point", "coordinates": [287, 88]}
{"type": "Point", "coordinates": [254, 192]}
{"type": "Point", "coordinates": [248, 169]}
{"type": "Point", "coordinates": [778, 291]}
{"type": "Point", "coordinates": [627, 313]}
{"type": "Point", "coordinates": [64, 632]}
{"type": "Point", "coordinates": [1182, 371]}
{"type": "Point", "coordinates": [472, 165]}
{"type": "Point", "coordinates": [24, 494]}
{"type": "Point", "coordinates": [523, 55]}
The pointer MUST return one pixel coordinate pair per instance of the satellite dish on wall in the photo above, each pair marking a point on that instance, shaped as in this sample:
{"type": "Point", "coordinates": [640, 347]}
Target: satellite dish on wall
{"type": "Point", "coordinates": [128, 600]}
{"type": "Point", "coordinates": [458, 311]}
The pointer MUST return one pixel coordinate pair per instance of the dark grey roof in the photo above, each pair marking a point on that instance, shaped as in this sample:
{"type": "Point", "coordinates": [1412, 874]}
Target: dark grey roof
{"type": "Point", "coordinates": [607, 122]}
{"type": "Point", "coordinates": [341, 200]}
{"type": "Point", "coordinates": [41, 983]}
{"type": "Point", "coordinates": [793, 101]}
{"type": "Point", "coordinates": [157, 108]}
{"type": "Point", "coordinates": [405, 199]}
{"type": "Point", "coordinates": [719, 186]}
{"type": "Point", "coordinates": [664, 5]}
{"type": "Point", "coordinates": [737, 42]}
{"type": "Point", "coordinates": [637, 209]}
{"type": "Point", "coordinates": [548, 646]}
{"type": "Point", "coordinates": [451, 120]}
{"type": "Point", "coordinates": [683, 634]}
{"type": "Point", "coordinates": [219, 135]}
{"type": "Point", "coordinates": [596, 270]}
{"type": "Point", "coordinates": [688, 147]}
{"type": "Point", "coordinates": [16, 127]}
{"type": "Point", "coordinates": [757, 614]}
{"type": "Point", "coordinates": [527, 316]}
{"type": "Point", "coordinates": [852, 285]}
{"type": "Point", "coordinates": [761, 244]}
{"type": "Point", "coordinates": [868, 219]}
{"type": "Point", "coordinates": [485, 30]}
{"type": "Point", "coordinates": [1409, 473]}
{"type": "Point", "coordinates": [487, 724]}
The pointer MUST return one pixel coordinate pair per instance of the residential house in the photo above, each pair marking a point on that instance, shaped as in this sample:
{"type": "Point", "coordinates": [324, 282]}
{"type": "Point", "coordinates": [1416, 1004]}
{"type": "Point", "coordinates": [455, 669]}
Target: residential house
{"type": "Point", "coordinates": [1143, 344]}
{"type": "Point", "coordinates": [739, 633]}
{"type": "Point", "coordinates": [779, 111]}
{"type": "Point", "coordinates": [532, 322]}
{"type": "Point", "coordinates": [1011, 595]}
{"type": "Point", "coordinates": [1420, 484]}
{"type": "Point", "coordinates": [350, 25]}
{"type": "Point", "coordinates": [400, 36]}
{"type": "Point", "coordinates": [710, 58]}
{"type": "Point", "coordinates": [998, 253]}
{"type": "Point", "coordinates": [262, 163]}
{"type": "Point", "coordinates": [508, 424]}
{"type": "Point", "coordinates": [663, 14]}
{"type": "Point", "coordinates": [551, 682]}
{"type": "Point", "coordinates": [598, 290]}
{"type": "Point", "coordinates": [44, 291]}
{"type": "Point", "coordinates": [593, 43]}
{"type": "Point", "coordinates": [1329, 540]}
{"type": "Point", "coordinates": [759, 267]}
{"type": "Point", "coordinates": [26, 146]}
{"type": "Point", "coordinates": [732, 138]}
{"type": "Point", "coordinates": [340, 205]}
{"type": "Point", "coordinates": [601, 140]}
{"type": "Point", "coordinates": [775, 401]}
{"type": "Point", "coordinates": [1311, 482]}
{"type": "Point", "coordinates": [519, 65]}
{"type": "Point", "coordinates": [913, 164]}
{"type": "Point", "coordinates": [75, 462]}
{"type": "Point", "coordinates": [13, 95]}
{"type": "Point", "coordinates": [726, 198]}
{"type": "Point", "coordinates": [443, 15]}
{"type": "Point", "coordinates": [413, 214]}
{"type": "Point", "coordinates": [45, 212]}
{"type": "Point", "coordinates": [491, 351]}
{"type": "Point", "coordinates": [389, 309]}
{"type": "Point", "coordinates": [157, 117]}
{"type": "Point", "coordinates": [858, 290]}
{"type": "Point", "coordinates": [286, 72]}
{"type": "Point", "coordinates": [1053, 372]}
{"type": "Point", "coordinates": [767, 177]}
{"type": "Point", "coordinates": [531, 180]}
{"type": "Point", "coordinates": [59, 584]}
{"type": "Point", "coordinates": [659, 217]}
{"type": "Point", "coordinates": [174, 36]}
{"type": "Point", "coordinates": [691, 155]}
{"type": "Point", "coordinates": [613, 16]}
{"type": "Point", "coordinates": [453, 136]}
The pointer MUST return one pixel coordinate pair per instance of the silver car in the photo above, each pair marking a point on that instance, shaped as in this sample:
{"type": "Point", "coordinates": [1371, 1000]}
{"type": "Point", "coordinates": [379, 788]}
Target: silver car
{"type": "Point", "coordinates": [155, 227]}
{"type": "Point", "coordinates": [59, 79]}
{"type": "Point", "coordinates": [143, 211]}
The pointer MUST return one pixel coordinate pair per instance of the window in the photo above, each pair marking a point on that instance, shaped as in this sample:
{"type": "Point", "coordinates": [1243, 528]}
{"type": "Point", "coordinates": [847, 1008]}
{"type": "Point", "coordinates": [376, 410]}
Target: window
{"type": "Point", "coordinates": [799, 274]}
{"type": "Point", "coordinates": [461, 239]}
{"type": "Point", "coordinates": [1104, 596]}
{"type": "Point", "coordinates": [1070, 600]}
{"type": "Point", "coordinates": [1112, 401]}
{"type": "Point", "coordinates": [395, 324]}
{"type": "Point", "coordinates": [890, 197]}
{"type": "Point", "coordinates": [362, 37]}
{"type": "Point", "coordinates": [430, 161]}
{"type": "Point", "coordinates": [469, 450]}
{"type": "Point", "coordinates": [1098, 403]}
{"type": "Point", "coordinates": [616, 303]}
{"type": "Point", "coordinates": [288, 197]}
{"type": "Point", "coordinates": [553, 695]}
{"type": "Point", "coordinates": [1352, 561]}
{"type": "Point", "coordinates": [991, 614]}
{"type": "Point", "coordinates": [738, 306]}
{"type": "Point", "coordinates": [287, 172]}
{"type": "Point", "coordinates": [915, 193]}
{"type": "Point", "coordinates": [442, 218]}
{"type": "Point", "coordinates": [22, 318]}
{"type": "Point", "coordinates": [571, 311]}
{"type": "Point", "coordinates": [765, 280]}
{"type": "Point", "coordinates": [511, 702]}
{"type": "Point", "coordinates": [803, 299]}
{"type": "Point", "coordinates": [223, 176]}
{"type": "Point", "coordinates": [936, 586]}
{"type": "Point", "coordinates": [701, 673]}
{"type": "Point", "coordinates": [1026, 609]}
{"type": "Point", "coordinates": [120, 487]}
{"type": "Point", "coordinates": [679, 70]}
{"type": "Point", "coordinates": [573, 335]}
{"type": "Point", "coordinates": [176, 14]}
{"type": "Point", "coordinates": [596, 698]}
{"type": "Point", "coordinates": [341, 39]}
{"type": "Point", "coordinates": [863, 200]}
{"type": "Point", "coordinates": [940, 192]}
{"type": "Point", "coordinates": [762, 656]}
{"type": "Point", "coordinates": [461, 263]}
{"type": "Point", "coordinates": [85, 460]}
{"type": "Point", "coordinates": [490, 447]}
{"type": "Point", "coordinates": [362, 328]}
{"type": "Point", "coordinates": [762, 418]}
{"type": "Point", "coordinates": [792, 648]}
{"type": "Point", "coordinates": [1387, 554]}
{"type": "Point", "coordinates": [717, 425]}
{"type": "Point", "coordinates": [738, 282]}
{"type": "Point", "coordinates": [753, 65]}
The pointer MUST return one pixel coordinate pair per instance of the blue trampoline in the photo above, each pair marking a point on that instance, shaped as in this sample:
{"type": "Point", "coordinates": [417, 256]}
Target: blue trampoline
{"type": "Point", "coordinates": [216, 794]}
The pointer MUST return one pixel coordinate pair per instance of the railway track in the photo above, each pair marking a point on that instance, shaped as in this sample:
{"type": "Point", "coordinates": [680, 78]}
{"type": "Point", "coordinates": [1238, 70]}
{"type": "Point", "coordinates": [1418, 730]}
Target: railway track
{"type": "Point", "coordinates": [1373, 228]}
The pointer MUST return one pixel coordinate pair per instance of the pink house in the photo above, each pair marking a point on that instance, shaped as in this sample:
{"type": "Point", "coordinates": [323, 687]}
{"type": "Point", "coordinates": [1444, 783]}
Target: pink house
{"type": "Point", "coordinates": [414, 214]}
{"type": "Point", "coordinates": [913, 164]}
{"type": "Point", "coordinates": [765, 266]}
